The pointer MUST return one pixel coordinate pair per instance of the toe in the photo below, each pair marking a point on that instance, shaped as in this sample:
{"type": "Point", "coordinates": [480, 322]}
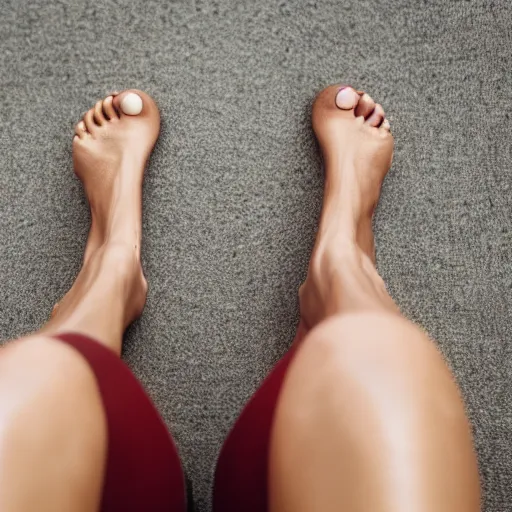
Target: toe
{"type": "Point", "coordinates": [98, 114]}
{"type": "Point", "coordinates": [129, 103]}
{"type": "Point", "coordinates": [80, 130]}
{"type": "Point", "coordinates": [346, 98]}
{"type": "Point", "coordinates": [108, 108]}
{"type": "Point", "coordinates": [365, 106]}
{"type": "Point", "coordinates": [89, 121]}
{"type": "Point", "coordinates": [385, 125]}
{"type": "Point", "coordinates": [376, 117]}
{"type": "Point", "coordinates": [127, 107]}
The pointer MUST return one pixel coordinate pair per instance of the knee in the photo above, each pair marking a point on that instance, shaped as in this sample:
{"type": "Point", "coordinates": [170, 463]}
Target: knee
{"type": "Point", "coordinates": [38, 373]}
{"type": "Point", "coordinates": [50, 410]}
{"type": "Point", "coordinates": [359, 338]}
{"type": "Point", "coordinates": [33, 360]}
{"type": "Point", "coordinates": [375, 355]}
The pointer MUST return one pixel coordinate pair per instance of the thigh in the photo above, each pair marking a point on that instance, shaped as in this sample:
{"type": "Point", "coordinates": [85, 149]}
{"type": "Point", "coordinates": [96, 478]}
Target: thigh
{"type": "Point", "coordinates": [370, 418]}
{"type": "Point", "coordinates": [96, 411]}
{"type": "Point", "coordinates": [361, 414]}
{"type": "Point", "coordinates": [53, 435]}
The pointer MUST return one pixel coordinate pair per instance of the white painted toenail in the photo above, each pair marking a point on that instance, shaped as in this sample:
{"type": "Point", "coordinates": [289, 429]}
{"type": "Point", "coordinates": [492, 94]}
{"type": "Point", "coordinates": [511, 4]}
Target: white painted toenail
{"type": "Point", "coordinates": [346, 98]}
{"type": "Point", "coordinates": [131, 104]}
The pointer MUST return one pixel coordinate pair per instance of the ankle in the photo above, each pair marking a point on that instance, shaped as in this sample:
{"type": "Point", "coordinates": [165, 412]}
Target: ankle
{"type": "Point", "coordinates": [341, 278]}
{"type": "Point", "coordinates": [118, 257]}
{"type": "Point", "coordinates": [121, 262]}
{"type": "Point", "coordinates": [108, 294]}
{"type": "Point", "coordinates": [114, 270]}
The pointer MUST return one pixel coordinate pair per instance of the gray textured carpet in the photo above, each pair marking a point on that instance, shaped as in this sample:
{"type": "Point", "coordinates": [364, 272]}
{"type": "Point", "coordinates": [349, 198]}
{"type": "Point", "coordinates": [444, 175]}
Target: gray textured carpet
{"type": "Point", "coordinates": [234, 187]}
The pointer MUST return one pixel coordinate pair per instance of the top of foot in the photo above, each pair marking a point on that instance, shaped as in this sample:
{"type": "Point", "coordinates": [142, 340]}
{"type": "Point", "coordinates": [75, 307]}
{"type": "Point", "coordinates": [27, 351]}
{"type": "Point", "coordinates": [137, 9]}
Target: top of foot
{"type": "Point", "coordinates": [338, 102]}
{"type": "Point", "coordinates": [111, 146]}
{"type": "Point", "coordinates": [106, 132]}
{"type": "Point", "coordinates": [355, 138]}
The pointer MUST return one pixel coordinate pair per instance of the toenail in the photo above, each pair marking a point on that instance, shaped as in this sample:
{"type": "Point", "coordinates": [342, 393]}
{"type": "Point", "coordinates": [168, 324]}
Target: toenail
{"type": "Point", "coordinates": [131, 104]}
{"type": "Point", "coordinates": [346, 98]}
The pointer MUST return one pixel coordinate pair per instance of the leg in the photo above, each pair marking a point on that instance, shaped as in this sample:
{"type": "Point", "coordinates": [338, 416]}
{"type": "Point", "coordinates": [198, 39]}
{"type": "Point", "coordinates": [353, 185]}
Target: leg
{"type": "Point", "coordinates": [76, 430]}
{"type": "Point", "coordinates": [369, 417]}
{"type": "Point", "coordinates": [53, 431]}
{"type": "Point", "coordinates": [362, 413]}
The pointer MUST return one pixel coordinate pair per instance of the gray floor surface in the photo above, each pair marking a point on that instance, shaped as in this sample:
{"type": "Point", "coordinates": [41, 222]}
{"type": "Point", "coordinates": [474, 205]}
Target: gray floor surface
{"type": "Point", "coordinates": [234, 187]}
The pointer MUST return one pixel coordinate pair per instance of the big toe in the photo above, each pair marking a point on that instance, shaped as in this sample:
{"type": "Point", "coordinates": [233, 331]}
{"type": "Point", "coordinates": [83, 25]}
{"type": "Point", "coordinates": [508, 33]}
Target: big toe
{"type": "Point", "coordinates": [135, 103]}
{"type": "Point", "coordinates": [346, 98]}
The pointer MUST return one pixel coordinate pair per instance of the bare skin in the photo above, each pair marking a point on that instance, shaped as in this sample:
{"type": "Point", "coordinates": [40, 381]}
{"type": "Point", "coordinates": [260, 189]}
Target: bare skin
{"type": "Point", "coordinates": [56, 413]}
{"type": "Point", "coordinates": [369, 417]}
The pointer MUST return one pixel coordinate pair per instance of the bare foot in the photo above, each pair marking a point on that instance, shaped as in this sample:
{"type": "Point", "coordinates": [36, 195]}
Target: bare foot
{"type": "Point", "coordinates": [110, 151]}
{"type": "Point", "coordinates": [357, 149]}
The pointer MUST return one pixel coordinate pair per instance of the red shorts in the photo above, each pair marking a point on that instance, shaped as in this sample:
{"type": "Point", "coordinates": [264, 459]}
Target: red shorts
{"type": "Point", "coordinates": [143, 471]}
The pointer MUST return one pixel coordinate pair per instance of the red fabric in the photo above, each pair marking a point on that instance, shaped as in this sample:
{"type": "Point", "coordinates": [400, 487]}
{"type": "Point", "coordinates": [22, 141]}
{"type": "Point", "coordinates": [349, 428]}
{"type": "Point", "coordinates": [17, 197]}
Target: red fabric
{"type": "Point", "coordinates": [143, 471]}
{"type": "Point", "coordinates": [241, 474]}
